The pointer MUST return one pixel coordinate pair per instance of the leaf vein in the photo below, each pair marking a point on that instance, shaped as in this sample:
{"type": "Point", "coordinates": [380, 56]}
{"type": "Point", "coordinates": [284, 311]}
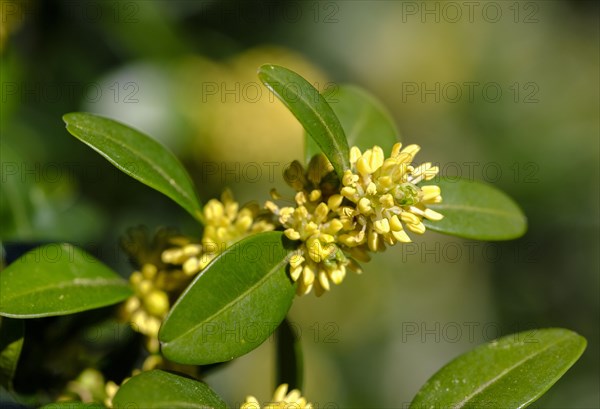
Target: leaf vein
{"type": "Point", "coordinates": [484, 386]}
{"type": "Point", "coordinates": [145, 159]}
{"type": "Point", "coordinates": [235, 300]}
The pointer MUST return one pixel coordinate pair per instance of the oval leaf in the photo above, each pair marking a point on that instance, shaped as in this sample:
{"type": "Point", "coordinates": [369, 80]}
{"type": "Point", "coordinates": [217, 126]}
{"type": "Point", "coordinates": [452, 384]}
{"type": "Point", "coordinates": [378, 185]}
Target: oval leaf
{"type": "Point", "coordinates": [138, 155]}
{"type": "Point", "coordinates": [312, 110]}
{"type": "Point", "coordinates": [476, 210]}
{"type": "Point", "coordinates": [159, 389]}
{"type": "Point", "coordinates": [11, 343]}
{"type": "Point", "coordinates": [511, 372]}
{"type": "Point", "coordinates": [233, 305]}
{"type": "Point", "coordinates": [58, 279]}
{"type": "Point", "coordinates": [365, 120]}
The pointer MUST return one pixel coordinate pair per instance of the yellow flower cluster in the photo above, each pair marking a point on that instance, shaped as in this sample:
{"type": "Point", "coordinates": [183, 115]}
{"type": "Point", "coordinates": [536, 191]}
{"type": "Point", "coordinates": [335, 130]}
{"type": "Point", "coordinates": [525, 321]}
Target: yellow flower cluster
{"type": "Point", "coordinates": [281, 400]}
{"type": "Point", "coordinates": [149, 305]}
{"type": "Point", "coordinates": [155, 284]}
{"type": "Point", "coordinates": [169, 262]}
{"type": "Point", "coordinates": [386, 197]}
{"type": "Point", "coordinates": [378, 200]}
{"type": "Point", "coordinates": [315, 223]}
{"type": "Point", "coordinates": [225, 224]}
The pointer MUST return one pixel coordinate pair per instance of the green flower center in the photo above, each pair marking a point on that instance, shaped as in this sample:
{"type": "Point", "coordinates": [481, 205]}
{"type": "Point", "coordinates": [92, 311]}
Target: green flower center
{"type": "Point", "coordinates": [406, 194]}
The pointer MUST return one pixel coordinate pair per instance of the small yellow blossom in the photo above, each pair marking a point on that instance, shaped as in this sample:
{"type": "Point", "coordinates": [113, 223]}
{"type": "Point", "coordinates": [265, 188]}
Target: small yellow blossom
{"type": "Point", "coordinates": [314, 221]}
{"type": "Point", "coordinates": [225, 224]}
{"type": "Point", "coordinates": [111, 389]}
{"type": "Point", "coordinates": [281, 400]}
{"type": "Point", "coordinates": [149, 305]}
{"type": "Point", "coordinates": [169, 262]}
{"type": "Point", "coordinates": [336, 223]}
{"type": "Point", "coordinates": [155, 284]}
{"type": "Point", "coordinates": [318, 260]}
{"type": "Point", "coordinates": [386, 197]}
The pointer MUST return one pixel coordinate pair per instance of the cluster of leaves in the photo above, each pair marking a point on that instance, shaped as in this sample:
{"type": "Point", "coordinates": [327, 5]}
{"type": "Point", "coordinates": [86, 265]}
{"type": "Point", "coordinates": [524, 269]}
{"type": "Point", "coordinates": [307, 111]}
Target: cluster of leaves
{"type": "Point", "coordinates": [510, 372]}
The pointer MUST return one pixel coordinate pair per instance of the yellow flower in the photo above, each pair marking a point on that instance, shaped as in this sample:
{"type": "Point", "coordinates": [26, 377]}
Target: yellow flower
{"type": "Point", "coordinates": [155, 284]}
{"type": "Point", "coordinates": [149, 305]}
{"type": "Point", "coordinates": [318, 260]}
{"type": "Point", "coordinates": [281, 400]}
{"type": "Point", "coordinates": [168, 262]}
{"type": "Point", "coordinates": [111, 390]}
{"type": "Point", "coordinates": [378, 200]}
{"type": "Point", "coordinates": [315, 222]}
{"type": "Point", "coordinates": [225, 224]}
{"type": "Point", "coordinates": [386, 196]}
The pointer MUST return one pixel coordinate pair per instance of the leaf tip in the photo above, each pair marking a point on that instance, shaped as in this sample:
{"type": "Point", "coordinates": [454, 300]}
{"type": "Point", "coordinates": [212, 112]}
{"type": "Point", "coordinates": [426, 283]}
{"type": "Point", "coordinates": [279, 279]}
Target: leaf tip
{"type": "Point", "coordinates": [67, 118]}
{"type": "Point", "coordinates": [267, 66]}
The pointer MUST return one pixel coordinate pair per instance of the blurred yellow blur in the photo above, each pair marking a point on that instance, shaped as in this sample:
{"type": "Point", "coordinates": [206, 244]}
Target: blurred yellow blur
{"type": "Point", "coordinates": [235, 118]}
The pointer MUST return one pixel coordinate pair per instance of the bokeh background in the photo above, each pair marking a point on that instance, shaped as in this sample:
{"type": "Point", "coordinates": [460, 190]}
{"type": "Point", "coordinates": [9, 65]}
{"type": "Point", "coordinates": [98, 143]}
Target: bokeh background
{"type": "Point", "coordinates": [504, 92]}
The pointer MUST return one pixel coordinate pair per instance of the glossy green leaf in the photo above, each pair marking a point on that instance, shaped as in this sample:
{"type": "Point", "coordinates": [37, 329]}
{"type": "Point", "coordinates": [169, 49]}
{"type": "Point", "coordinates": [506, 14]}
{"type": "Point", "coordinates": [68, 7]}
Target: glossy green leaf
{"type": "Point", "coordinates": [511, 372]}
{"type": "Point", "coordinates": [11, 343]}
{"type": "Point", "coordinates": [312, 110]}
{"type": "Point", "coordinates": [289, 360]}
{"type": "Point", "coordinates": [75, 405]}
{"type": "Point", "coordinates": [138, 155]}
{"type": "Point", "coordinates": [58, 279]}
{"type": "Point", "coordinates": [476, 210]}
{"type": "Point", "coordinates": [160, 390]}
{"type": "Point", "coordinates": [365, 120]}
{"type": "Point", "coordinates": [233, 305]}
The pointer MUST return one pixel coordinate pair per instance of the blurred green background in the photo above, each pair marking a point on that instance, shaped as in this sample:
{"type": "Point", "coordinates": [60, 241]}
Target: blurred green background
{"type": "Point", "coordinates": [505, 92]}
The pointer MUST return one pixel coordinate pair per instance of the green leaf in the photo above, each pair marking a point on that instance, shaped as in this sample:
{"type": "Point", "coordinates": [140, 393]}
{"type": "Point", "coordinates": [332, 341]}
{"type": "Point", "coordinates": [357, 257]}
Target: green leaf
{"type": "Point", "coordinates": [511, 372]}
{"type": "Point", "coordinates": [476, 210]}
{"type": "Point", "coordinates": [233, 305]}
{"type": "Point", "coordinates": [290, 363]}
{"type": "Point", "coordinates": [138, 155]}
{"type": "Point", "coordinates": [58, 279]}
{"type": "Point", "coordinates": [74, 405]}
{"type": "Point", "coordinates": [11, 342]}
{"type": "Point", "coordinates": [312, 110]}
{"type": "Point", "coordinates": [160, 390]}
{"type": "Point", "coordinates": [365, 120]}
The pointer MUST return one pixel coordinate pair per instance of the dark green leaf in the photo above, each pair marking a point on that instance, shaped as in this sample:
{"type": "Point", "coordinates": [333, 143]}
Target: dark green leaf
{"type": "Point", "coordinates": [365, 120]}
{"type": "Point", "coordinates": [58, 279]}
{"type": "Point", "coordinates": [290, 363]}
{"type": "Point", "coordinates": [233, 305]}
{"type": "Point", "coordinates": [11, 342]}
{"type": "Point", "coordinates": [476, 210]}
{"type": "Point", "coordinates": [138, 155]}
{"type": "Point", "coordinates": [511, 372]}
{"type": "Point", "coordinates": [160, 390]}
{"type": "Point", "coordinates": [312, 110]}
